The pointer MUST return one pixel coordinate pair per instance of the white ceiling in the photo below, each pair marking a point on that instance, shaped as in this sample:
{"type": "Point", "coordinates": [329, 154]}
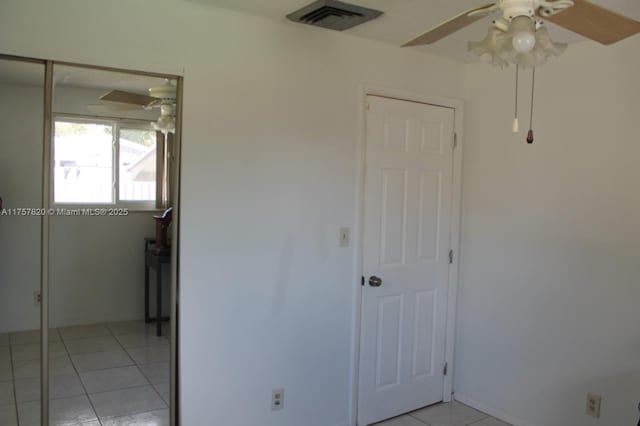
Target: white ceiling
{"type": "Point", "coordinates": [18, 72]}
{"type": "Point", "coordinates": [405, 19]}
{"type": "Point", "coordinates": [32, 74]}
{"type": "Point", "coordinates": [101, 79]}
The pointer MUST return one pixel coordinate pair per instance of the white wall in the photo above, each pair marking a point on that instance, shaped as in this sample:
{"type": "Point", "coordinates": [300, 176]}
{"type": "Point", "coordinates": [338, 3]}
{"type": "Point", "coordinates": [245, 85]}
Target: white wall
{"type": "Point", "coordinates": [548, 306]}
{"type": "Point", "coordinates": [270, 130]}
{"type": "Point", "coordinates": [97, 268]}
{"type": "Point", "coordinates": [21, 114]}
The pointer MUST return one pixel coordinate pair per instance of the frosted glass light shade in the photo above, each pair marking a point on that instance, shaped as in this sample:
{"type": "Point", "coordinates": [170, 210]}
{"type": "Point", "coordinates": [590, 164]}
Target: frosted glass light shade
{"type": "Point", "coordinates": [489, 48]}
{"type": "Point", "coordinates": [165, 124]}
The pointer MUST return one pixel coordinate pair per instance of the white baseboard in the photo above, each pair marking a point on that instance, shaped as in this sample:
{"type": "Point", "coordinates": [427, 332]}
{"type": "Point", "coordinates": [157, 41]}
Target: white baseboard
{"type": "Point", "coordinates": [489, 410]}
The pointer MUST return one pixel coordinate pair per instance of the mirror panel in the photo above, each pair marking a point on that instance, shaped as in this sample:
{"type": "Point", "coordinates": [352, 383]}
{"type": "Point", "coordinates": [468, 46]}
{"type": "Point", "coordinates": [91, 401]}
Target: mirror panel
{"type": "Point", "coordinates": [21, 143]}
{"type": "Point", "coordinates": [107, 167]}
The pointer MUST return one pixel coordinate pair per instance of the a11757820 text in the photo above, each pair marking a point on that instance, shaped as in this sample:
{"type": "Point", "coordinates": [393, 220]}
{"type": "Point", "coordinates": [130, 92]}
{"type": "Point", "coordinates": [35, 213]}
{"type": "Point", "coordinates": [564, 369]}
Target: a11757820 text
{"type": "Point", "coordinates": [64, 211]}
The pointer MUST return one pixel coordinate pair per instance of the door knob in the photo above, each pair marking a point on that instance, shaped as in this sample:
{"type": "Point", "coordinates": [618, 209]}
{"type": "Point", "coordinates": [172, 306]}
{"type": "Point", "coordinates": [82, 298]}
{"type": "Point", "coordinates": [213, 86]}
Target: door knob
{"type": "Point", "coordinates": [375, 281]}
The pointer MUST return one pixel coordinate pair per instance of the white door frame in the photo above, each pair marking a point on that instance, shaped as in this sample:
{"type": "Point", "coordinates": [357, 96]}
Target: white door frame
{"type": "Point", "coordinates": [456, 216]}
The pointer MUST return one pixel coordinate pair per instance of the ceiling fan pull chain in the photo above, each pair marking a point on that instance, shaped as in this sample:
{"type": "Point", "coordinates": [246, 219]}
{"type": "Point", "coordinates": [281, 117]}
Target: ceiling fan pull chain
{"type": "Point", "coordinates": [516, 124]}
{"type": "Point", "coordinates": [533, 86]}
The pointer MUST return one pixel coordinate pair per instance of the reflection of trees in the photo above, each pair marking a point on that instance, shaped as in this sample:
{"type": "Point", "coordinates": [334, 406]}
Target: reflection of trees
{"type": "Point", "coordinates": [143, 137]}
{"type": "Point", "coordinates": [69, 129]}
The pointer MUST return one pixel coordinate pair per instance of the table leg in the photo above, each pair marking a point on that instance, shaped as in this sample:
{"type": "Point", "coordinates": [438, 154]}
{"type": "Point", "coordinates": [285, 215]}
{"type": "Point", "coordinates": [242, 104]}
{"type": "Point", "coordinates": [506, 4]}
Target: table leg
{"type": "Point", "coordinates": [159, 300]}
{"type": "Point", "coordinates": [146, 293]}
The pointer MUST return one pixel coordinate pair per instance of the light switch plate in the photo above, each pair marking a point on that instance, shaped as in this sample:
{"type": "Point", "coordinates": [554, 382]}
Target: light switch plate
{"type": "Point", "coordinates": [344, 237]}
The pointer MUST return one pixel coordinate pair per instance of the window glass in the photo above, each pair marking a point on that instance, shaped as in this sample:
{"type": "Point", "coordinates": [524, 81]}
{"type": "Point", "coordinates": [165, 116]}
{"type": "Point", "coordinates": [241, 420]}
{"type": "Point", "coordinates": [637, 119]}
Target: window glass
{"type": "Point", "coordinates": [83, 162]}
{"type": "Point", "coordinates": [137, 161]}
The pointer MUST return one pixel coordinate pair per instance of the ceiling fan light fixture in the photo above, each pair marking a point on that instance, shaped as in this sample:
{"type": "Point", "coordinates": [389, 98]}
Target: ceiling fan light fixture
{"type": "Point", "coordinates": [499, 47]}
{"type": "Point", "coordinates": [166, 91]}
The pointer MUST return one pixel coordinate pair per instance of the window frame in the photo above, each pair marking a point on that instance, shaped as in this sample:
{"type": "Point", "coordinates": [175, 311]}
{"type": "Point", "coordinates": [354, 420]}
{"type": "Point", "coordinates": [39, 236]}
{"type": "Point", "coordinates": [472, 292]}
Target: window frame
{"type": "Point", "coordinates": [117, 124]}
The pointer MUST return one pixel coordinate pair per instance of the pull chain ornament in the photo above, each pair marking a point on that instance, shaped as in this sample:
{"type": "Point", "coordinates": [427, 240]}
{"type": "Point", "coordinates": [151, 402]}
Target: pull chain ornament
{"type": "Point", "coordinates": [533, 85]}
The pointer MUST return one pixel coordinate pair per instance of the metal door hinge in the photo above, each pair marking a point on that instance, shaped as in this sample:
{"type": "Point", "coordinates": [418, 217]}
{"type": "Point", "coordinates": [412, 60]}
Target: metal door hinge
{"type": "Point", "coordinates": [450, 256]}
{"type": "Point", "coordinates": [445, 370]}
{"type": "Point", "coordinates": [455, 140]}
{"type": "Point", "coordinates": [362, 282]}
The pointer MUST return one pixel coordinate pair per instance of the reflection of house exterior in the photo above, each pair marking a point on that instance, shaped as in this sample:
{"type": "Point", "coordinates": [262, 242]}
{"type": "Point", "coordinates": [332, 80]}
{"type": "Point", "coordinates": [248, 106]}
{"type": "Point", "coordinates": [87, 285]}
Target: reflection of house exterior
{"type": "Point", "coordinates": [83, 167]}
{"type": "Point", "coordinates": [141, 164]}
{"type": "Point", "coordinates": [137, 171]}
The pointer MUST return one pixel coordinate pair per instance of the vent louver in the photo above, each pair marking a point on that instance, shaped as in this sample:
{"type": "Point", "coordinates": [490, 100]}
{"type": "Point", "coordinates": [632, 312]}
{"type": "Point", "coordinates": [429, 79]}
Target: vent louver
{"type": "Point", "coordinates": [333, 14]}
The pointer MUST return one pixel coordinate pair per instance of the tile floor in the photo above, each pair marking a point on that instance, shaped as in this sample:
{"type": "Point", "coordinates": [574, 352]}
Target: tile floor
{"type": "Point", "coordinates": [450, 414]}
{"type": "Point", "coordinates": [111, 374]}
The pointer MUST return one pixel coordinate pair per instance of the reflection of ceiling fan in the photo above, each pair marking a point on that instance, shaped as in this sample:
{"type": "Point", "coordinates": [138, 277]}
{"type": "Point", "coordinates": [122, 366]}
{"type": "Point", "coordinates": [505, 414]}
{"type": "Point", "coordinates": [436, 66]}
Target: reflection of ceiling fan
{"type": "Point", "coordinates": [163, 97]}
{"type": "Point", "coordinates": [519, 36]}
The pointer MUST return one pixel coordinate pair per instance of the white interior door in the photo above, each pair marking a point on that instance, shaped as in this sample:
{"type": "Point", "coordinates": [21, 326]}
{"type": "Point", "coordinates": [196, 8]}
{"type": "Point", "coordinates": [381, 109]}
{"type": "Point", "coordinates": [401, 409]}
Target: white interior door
{"type": "Point", "coordinates": [407, 215]}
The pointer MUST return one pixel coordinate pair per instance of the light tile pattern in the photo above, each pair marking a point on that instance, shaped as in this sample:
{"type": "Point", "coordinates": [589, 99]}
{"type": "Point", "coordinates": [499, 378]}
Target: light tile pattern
{"type": "Point", "coordinates": [449, 414]}
{"type": "Point", "coordinates": [100, 374]}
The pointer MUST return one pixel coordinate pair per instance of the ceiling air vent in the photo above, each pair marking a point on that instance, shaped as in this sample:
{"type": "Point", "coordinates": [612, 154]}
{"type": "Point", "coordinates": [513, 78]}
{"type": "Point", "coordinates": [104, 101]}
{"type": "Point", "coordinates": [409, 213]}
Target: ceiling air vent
{"type": "Point", "coordinates": [333, 14]}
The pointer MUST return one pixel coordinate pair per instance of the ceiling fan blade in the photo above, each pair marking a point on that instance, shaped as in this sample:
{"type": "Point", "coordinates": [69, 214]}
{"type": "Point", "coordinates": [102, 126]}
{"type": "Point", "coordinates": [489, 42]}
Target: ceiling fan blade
{"type": "Point", "coordinates": [109, 107]}
{"type": "Point", "coordinates": [595, 22]}
{"type": "Point", "coordinates": [452, 25]}
{"type": "Point", "coordinates": [123, 97]}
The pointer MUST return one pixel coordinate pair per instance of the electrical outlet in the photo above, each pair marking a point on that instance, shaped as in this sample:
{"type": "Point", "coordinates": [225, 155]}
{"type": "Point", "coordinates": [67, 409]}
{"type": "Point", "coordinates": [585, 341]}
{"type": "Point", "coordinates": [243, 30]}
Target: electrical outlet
{"type": "Point", "coordinates": [277, 399]}
{"type": "Point", "coordinates": [36, 298]}
{"type": "Point", "coordinates": [344, 237]}
{"type": "Point", "coordinates": [593, 405]}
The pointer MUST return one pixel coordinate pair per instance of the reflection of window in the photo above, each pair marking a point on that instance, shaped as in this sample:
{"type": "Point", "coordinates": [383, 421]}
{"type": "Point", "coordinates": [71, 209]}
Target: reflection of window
{"type": "Point", "coordinates": [100, 161]}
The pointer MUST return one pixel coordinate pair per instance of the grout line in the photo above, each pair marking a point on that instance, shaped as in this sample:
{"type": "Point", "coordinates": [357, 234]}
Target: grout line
{"type": "Point", "coordinates": [415, 418]}
{"type": "Point", "coordinates": [107, 368]}
{"type": "Point", "coordinates": [86, 394]}
{"type": "Point", "coordinates": [480, 420]}
{"type": "Point", "coordinates": [143, 375]}
{"type": "Point", "coordinates": [121, 389]}
{"type": "Point", "coordinates": [13, 381]}
{"type": "Point", "coordinates": [132, 387]}
{"type": "Point", "coordinates": [135, 413]}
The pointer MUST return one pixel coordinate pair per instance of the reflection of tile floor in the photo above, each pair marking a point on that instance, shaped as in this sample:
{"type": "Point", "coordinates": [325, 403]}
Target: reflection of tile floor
{"type": "Point", "coordinates": [113, 374]}
{"type": "Point", "coordinates": [450, 414]}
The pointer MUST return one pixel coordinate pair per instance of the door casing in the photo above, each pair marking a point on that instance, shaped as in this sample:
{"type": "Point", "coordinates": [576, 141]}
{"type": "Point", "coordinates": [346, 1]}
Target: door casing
{"type": "Point", "coordinates": [454, 243]}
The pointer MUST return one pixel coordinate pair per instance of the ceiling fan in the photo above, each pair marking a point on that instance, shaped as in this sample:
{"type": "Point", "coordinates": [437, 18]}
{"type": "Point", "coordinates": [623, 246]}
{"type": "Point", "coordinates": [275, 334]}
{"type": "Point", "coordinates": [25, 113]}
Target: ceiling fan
{"type": "Point", "coordinates": [162, 96]}
{"type": "Point", "coordinates": [519, 35]}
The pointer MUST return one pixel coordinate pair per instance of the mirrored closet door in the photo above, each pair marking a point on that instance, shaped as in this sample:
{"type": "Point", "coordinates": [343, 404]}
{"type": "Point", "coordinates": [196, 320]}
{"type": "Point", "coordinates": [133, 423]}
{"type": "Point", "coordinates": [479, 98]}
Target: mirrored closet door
{"type": "Point", "coordinates": [111, 168]}
{"type": "Point", "coordinates": [21, 153]}
{"type": "Point", "coordinates": [88, 262]}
